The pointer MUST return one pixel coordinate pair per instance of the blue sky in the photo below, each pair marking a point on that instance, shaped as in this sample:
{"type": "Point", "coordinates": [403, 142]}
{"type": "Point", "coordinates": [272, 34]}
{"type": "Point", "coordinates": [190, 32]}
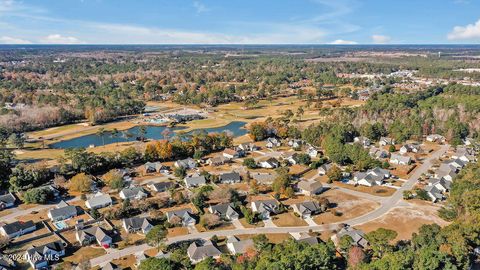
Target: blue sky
{"type": "Point", "coordinates": [240, 21]}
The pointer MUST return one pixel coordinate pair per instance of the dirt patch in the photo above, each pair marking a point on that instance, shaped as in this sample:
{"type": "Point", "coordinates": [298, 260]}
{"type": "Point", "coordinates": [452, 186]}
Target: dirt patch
{"type": "Point", "coordinates": [177, 231]}
{"type": "Point", "coordinates": [85, 253]}
{"type": "Point", "coordinates": [406, 220]}
{"type": "Point", "coordinates": [288, 220]}
{"type": "Point", "coordinates": [347, 206]}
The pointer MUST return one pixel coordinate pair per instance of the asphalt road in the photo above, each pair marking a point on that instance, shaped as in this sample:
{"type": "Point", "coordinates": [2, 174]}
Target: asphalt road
{"type": "Point", "coordinates": [386, 206]}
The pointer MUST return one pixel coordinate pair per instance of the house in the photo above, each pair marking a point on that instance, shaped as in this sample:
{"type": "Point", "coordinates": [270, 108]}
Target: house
{"type": "Point", "coordinates": [441, 184]}
{"type": "Point", "coordinates": [53, 190]}
{"type": "Point", "coordinates": [307, 209]}
{"type": "Point", "coordinates": [7, 201]}
{"type": "Point", "coordinates": [295, 143]}
{"type": "Point", "coordinates": [272, 142]}
{"type": "Point", "coordinates": [110, 266]}
{"type": "Point", "coordinates": [137, 225]}
{"type": "Point", "coordinates": [62, 211]}
{"type": "Point", "coordinates": [310, 188]}
{"type": "Point", "coordinates": [363, 141]}
{"type": "Point", "coordinates": [218, 160]}
{"type": "Point", "coordinates": [264, 178]}
{"type": "Point", "coordinates": [435, 138]}
{"type": "Point", "coordinates": [407, 148]}
{"type": "Point", "coordinates": [248, 147]}
{"type": "Point", "coordinates": [458, 163]}
{"type": "Point", "coordinates": [224, 210]}
{"type": "Point", "coordinates": [41, 256]}
{"type": "Point", "coordinates": [229, 178]}
{"type": "Point", "coordinates": [183, 216]}
{"type": "Point", "coordinates": [237, 246]}
{"type": "Point", "coordinates": [371, 177]}
{"type": "Point", "coordinates": [291, 157]}
{"type": "Point", "coordinates": [99, 200]}
{"type": "Point", "coordinates": [93, 234]}
{"type": "Point", "coordinates": [140, 256]}
{"type": "Point", "coordinates": [187, 163]}
{"type": "Point", "coordinates": [133, 193]}
{"type": "Point", "coordinates": [305, 238]}
{"type": "Point", "coordinates": [161, 186]}
{"type": "Point", "coordinates": [312, 152]}
{"type": "Point", "coordinates": [465, 154]}
{"type": "Point", "coordinates": [195, 181]}
{"type": "Point", "coordinates": [231, 153]}
{"type": "Point", "coordinates": [434, 193]}
{"type": "Point", "coordinates": [17, 228]}
{"type": "Point", "coordinates": [265, 208]}
{"type": "Point", "coordinates": [323, 170]}
{"type": "Point", "coordinates": [357, 236]}
{"type": "Point", "coordinates": [153, 167]}
{"type": "Point", "coordinates": [378, 153]}
{"type": "Point", "coordinates": [7, 264]}
{"type": "Point", "coordinates": [197, 252]}
{"type": "Point", "coordinates": [400, 159]}
{"type": "Point", "coordinates": [468, 141]}
{"type": "Point", "coordinates": [447, 175]}
{"type": "Point", "coordinates": [386, 141]}
{"type": "Point", "coordinates": [270, 163]}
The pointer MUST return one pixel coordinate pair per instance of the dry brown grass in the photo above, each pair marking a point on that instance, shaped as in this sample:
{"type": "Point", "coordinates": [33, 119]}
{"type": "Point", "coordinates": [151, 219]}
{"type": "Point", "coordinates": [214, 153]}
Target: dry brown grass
{"type": "Point", "coordinates": [375, 190]}
{"type": "Point", "coordinates": [85, 253]}
{"type": "Point", "coordinates": [288, 219]}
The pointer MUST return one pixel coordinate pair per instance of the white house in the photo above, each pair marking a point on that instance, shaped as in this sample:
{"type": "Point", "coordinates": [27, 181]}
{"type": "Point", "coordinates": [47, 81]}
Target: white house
{"type": "Point", "coordinates": [364, 141]}
{"type": "Point", "coordinates": [99, 200]}
{"type": "Point", "coordinates": [272, 142]}
{"type": "Point", "coordinates": [400, 159]}
{"type": "Point", "coordinates": [133, 193]}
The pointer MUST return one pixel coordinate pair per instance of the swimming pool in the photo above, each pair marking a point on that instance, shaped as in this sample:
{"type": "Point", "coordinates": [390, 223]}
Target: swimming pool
{"type": "Point", "coordinates": [60, 225]}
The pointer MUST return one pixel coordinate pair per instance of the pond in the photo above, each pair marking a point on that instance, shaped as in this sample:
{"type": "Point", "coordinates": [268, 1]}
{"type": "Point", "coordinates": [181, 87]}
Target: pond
{"type": "Point", "coordinates": [236, 128]}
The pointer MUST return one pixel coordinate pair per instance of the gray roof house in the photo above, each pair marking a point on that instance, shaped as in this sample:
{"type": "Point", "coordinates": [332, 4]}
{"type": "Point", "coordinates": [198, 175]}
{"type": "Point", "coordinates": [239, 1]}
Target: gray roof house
{"type": "Point", "coordinates": [357, 236]}
{"type": "Point", "coordinates": [322, 170]}
{"type": "Point", "coordinates": [434, 193]}
{"type": "Point", "coordinates": [218, 160]}
{"type": "Point", "coordinates": [195, 181]}
{"type": "Point", "coordinates": [94, 234]}
{"type": "Point", "coordinates": [371, 177]}
{"type": "Point", "coordinates": [272, 142]}
{"type": "Point", "coordinates": [224, 210]}
{"type": "Point", "coordinates": [133, 193]}
{"type": "Point", "coordinates": [187, 163]}
{"type": "Point", "coordinates": [17, 228]}
{"type": "Point", "coordinates": [162, 186]}
{"type": "Point", "coordinates": [378, 153]}
{"type": "Point", "coordinates": [265, 208]}
{"type": "Point", "coordinates": [305, 238]}
{"type": "Point", "coordinates": [197, 252]}
{"type": "Point", "coordinates": [99, 200]}
{"type": "Point", "coordinates": [137, 224]}
{"type": "Point", "coordinates": [386, 141]}
{"type": "Point", "coordinates": [406, 148]}
{"type": "Point", "coordinates": [310, 188]}
{"type": "Point", "coordinates": [230, 178]}
{"type": "Point", "coordinates": [7, 200]}
{"type": "Point", "coordinates": [264, 178]}
{"type": "Point", "coordinates": [152, 167]}
{"type": "Point", "coordinates": [441, 184]}
{"type": "Point", "coordinates": [269, 163]}
{"type": "Point", "coordinates": [247, 147]}
{"type": "Point", "coordinates": [183, 216]}
{"type": "Point", "coordinates": [400, 159]}
{"type": "Point", "coordinates": [62, 211]}
{"type": "Point", "coordinates": [307, 209]}
{"type": "Point", "coordinates": [364, 141]}
{"type": "Point", "coordinates": [41, 256]}
{"type": "Point", "coordinates": [237, 246]}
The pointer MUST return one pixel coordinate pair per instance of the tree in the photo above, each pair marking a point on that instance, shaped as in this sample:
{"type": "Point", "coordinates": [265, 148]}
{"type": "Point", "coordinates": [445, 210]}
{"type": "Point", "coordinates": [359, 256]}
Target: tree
{"type": "Point", "coordinates": [114, 179]}
{"type": "Point", "coordinates": [334, 174]}
{"type": "Point", "coordinates": [153, 263]}
{"type": "Point", "coordinates": [6, 160]}
{"type": "Point", "coordinates": [81, 183]}
{"type": "Point", "coordinates": [380, 239]}
{"type": "Point", "coordinates": [392, 148]}
{"type": "Point", "coordinates": [24, 177]}
{"type": "Point", "coordinates": [250, 217]}
{"type": "Point", "coordinates": [156, 236]}
{"type": "Point", "coordinates": [37, 195]}
{"type": "Point", "coordinates": [300, 112]}
{"type": "Point", "coordinates": [142, 131]}
{"type": "Point", "coordinates": [17, 140]}
{"type": "Point", "coordinates": [180, 172]}
{"type": "Point", "coordinates": [151, 153]}
{"type": "Point", "coordinates": [345, 243]}
{"type": "Point", "coordinates": [257, 131]}
{"type": "Point", "coordinates": [210, 221]}
{"type": "Point", "coordinates": [356, 256]}
{"type": "Point", "coordinates": [261, 242]}
{"type": "Point", "coordinates": [101, 133]}
{"type": "Point", "coordinates": [249, 163]}
{"type": "Point", "coordinates": [303, 158]}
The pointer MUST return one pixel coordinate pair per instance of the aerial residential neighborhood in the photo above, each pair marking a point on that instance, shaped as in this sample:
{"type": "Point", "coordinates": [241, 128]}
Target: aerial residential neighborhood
{"type": "Point", "coordinates": [239, 135]}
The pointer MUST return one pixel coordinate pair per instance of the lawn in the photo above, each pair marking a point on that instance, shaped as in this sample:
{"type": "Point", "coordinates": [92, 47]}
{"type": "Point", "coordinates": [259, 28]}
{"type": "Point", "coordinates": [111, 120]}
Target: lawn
{"type": "Point", "coordinates": [248, 226]}
{"type": "Point", "coordinates": [177, 231]}
{"type": "Point", "coordinates": [375, 190]}
{"type": "Point", "coordinates": [85, 253]}
{"type": "Point", "coordinates": [288, 219]}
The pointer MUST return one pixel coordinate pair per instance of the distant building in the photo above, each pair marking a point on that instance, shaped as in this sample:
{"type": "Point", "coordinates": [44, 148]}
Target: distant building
{"type": "Point", "coordinates": [272, 142]}
{"type": "Point", "coordinates": [187, 163]}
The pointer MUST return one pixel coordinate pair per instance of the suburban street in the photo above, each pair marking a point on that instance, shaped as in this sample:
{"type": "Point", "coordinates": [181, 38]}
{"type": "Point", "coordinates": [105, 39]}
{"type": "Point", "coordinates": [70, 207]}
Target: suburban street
{"type": "Point", "coordinates": [386, 205]}
{"type": "Point", "coordinates": [18, 213]}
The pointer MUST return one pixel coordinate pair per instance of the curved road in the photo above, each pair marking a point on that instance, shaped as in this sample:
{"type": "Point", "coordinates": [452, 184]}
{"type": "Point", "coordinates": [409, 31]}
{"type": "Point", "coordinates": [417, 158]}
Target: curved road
{"type": "Point", "coordinates": [385, 207]}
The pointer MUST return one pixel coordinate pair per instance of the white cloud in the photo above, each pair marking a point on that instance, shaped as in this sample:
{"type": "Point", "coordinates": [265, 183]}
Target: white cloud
{"type": "Point", "coordinates": [343, 42]}
{"type": "Point", "coordinates": [381, 39]}
{"type": "Point", "coordinates": [59, 39]}
{"type": "Point", "coordinates": [199, 7]}
{"type": "Point", "coordinates": [470, 31]}
{"type": "Point", "coordinates": [12, 40]}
